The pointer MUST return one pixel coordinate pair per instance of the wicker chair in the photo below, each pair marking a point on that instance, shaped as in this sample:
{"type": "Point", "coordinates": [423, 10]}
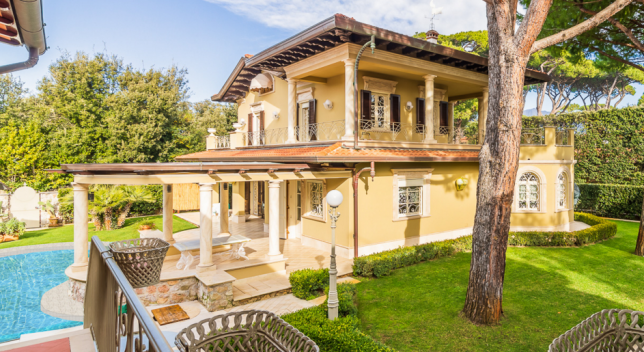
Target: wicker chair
{"type": "Point", "coordinates": [245, 331]}
{"type": "Point", "coordinates": [615, 330]}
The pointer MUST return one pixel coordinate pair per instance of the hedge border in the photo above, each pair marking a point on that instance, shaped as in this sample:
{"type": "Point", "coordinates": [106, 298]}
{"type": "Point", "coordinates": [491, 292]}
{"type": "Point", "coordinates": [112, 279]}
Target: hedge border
{"type": "Point", "coordinates": [382, 264]}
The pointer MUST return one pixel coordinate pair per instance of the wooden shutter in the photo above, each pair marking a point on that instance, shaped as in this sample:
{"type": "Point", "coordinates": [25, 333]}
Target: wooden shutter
{"type": "Point", "coordinates": [261, 121]}
{"type": "Point", "coordinates": [365, 100]}
{"type": "Point", "coordinates": [420, 111]}
{"type": "Point", "coordinates": [443, 107]}
{"type": "Point", "coordinates": [297, 122]}
{"type": "Point", "coordinates": [250, 127]}
{"type": "Point", "coordinates": [394, 113]}
{"type": "Point", "coordinates": [312, 119]}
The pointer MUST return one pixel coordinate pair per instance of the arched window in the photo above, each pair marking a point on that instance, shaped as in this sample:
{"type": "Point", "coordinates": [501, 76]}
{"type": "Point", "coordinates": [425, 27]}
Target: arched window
{"type": "Point", "coordinates": [562, 191]}
{"type": "Point", "coordinates": [529, 192]}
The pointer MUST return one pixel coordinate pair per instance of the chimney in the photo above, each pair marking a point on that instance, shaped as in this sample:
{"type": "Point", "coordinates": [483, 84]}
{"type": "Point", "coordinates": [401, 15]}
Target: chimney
{"type": "Point", "coordinates": [432, 36]}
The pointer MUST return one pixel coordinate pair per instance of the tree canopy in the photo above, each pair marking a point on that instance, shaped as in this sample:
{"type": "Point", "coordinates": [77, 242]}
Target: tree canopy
{"type": "Point", "coordinates": [96, 109]}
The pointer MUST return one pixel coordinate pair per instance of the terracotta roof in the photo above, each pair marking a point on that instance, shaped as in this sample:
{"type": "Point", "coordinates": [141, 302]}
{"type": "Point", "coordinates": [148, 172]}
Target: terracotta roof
{"type": "Point", "coordinates": [337, 30]}
{"type": "Point", "coordinates": [331, 153]}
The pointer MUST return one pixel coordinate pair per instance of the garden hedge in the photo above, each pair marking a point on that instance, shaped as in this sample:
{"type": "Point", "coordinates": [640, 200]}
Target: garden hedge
{"type": "Point", "coordinates": [308, 283]}
{"type": "Point", "coordinates": [340, 335]}
{"type": "Point", "coordinates": [609, 144]}
{"type": "Point", "coordinates": [381, 264]}
{"type": "Point", "coordinates": [612, 201]}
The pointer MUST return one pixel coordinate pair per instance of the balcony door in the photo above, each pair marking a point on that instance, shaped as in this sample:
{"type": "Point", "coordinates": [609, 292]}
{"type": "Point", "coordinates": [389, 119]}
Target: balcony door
{"type": "Point", "coordinates": [256, 128]}
{"type": "Point", "coordinates": [307, 121]}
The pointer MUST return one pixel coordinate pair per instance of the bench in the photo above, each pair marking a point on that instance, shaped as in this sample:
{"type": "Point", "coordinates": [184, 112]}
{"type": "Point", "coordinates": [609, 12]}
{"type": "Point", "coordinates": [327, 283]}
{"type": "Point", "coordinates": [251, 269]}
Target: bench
{"type": "Point", "coordinates": [237, 250]}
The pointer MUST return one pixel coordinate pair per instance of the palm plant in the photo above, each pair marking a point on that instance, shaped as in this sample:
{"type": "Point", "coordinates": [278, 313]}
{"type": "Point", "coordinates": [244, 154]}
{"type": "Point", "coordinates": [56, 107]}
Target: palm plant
{"type": "Point", "coordinates": [131, 195]}
{"type": "Point", "coordinates": [49, 208]}
{"type": "Point", "coordinates": [106, 199]}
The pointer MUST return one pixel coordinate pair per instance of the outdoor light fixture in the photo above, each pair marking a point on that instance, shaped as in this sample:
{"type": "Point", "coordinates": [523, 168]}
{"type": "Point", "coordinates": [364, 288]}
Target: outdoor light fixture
{"type": "Point", "coordinates": [212, 131]}
{"type": "Point", "coordinates": [169, 188]}
{"type": "Point", "coordinates": [409, 106]}
{"type": "Point", "coordinates": [276, 114]}
{"type": "Point", "coordinates": [90, 196]}
{"type": "Point", "coordinates": [333, 199]}
{"type": "Point", "coordinates": [328, 104]}
{"type": "Point", "coordinates": [461, 183]}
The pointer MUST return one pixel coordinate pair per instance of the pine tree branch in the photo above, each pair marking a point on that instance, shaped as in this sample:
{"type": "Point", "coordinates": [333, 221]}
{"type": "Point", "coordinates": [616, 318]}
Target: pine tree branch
{"type": "Point", "coordinates": [588, 24]}
{"type": "Point", "coordinates": [618, 59]}
{"type": "Point", "coordinates": [620, 26]}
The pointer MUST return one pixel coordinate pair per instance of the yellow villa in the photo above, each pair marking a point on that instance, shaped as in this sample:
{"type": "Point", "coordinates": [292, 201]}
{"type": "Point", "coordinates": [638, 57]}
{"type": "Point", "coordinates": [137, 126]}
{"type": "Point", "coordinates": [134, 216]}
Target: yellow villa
{"type": "Point", "coordinates": [389, 145]}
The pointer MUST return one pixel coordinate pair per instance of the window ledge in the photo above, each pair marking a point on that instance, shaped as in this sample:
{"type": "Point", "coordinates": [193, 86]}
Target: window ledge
{"type": "Point", "coordinates": [311, 217]}
{"type": "Point", "coordinates": [415, 217]}
{"type": "Point", "coordinates": [562, 210]}
{"type": "Point", "coordinates": [527, 212]}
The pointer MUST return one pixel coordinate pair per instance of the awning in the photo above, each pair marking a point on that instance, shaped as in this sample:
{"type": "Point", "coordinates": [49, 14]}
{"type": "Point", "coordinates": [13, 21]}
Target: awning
{"type": "Point", "coordinates": [261, 81]}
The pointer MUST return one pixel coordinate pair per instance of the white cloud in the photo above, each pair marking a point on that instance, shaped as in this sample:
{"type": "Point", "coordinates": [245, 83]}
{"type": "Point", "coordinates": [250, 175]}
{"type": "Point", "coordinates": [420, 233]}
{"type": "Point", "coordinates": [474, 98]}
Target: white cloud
{"type": "Point", "coordinates": [403, 16]}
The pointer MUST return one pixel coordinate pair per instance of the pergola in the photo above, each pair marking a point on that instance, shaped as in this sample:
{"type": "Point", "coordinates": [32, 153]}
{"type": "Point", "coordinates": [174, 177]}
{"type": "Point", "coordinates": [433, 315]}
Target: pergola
{"type": "Point", "coordinates": [207, 175]}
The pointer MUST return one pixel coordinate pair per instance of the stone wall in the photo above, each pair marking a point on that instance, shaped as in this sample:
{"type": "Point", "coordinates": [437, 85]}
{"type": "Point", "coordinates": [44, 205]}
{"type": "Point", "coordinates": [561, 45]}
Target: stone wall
{"type": "Point", "coordinates": [165, 292]}
{"type": "Point", "coordinates": [216, 297]}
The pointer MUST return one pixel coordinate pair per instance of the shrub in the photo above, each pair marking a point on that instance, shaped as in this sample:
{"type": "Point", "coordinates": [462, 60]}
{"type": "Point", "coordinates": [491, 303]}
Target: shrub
{"type": "Point", "coordinates": [146, 223]}
{"type": "Point", "coordinates": [347, 296]}
{"type": "Point", "coordinates": [146, 208]}
{"type": "Point", "coordinates": [381, 264]}
{"type": "Point", "coordinates": [339, 335]}
{"type": "Point", "coordinates": [12, 227]}
{"type": "Point", "coordinates": [308, 283]}
{"type": "Point", "coordinates": [613, 201]}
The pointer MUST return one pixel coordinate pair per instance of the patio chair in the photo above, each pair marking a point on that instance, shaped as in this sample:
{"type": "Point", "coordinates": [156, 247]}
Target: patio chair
{"type": "Point", "coordinates": [245, 331]}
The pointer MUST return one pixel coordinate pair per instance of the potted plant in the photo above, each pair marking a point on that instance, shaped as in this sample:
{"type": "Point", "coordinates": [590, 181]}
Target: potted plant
{"type": "Point", "coordinates": [147, 225]}
{"type": "Point", "coordinates": [11, 230]}
{"type": "Point", "coordinates": [51, 210]}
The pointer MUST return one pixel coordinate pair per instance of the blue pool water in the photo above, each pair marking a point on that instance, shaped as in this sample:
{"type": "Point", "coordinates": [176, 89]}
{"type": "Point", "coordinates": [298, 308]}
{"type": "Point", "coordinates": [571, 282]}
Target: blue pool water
{"type": "Point", "coordinates": [24, 278]}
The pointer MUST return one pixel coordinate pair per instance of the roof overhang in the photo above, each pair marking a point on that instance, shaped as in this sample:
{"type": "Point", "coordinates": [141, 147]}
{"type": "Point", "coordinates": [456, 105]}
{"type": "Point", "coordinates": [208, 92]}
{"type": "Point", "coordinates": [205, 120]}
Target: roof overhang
{"type": "Point", "coordinates": [21, 23]}
{"type": "Point", "coordinates": [338, 30]}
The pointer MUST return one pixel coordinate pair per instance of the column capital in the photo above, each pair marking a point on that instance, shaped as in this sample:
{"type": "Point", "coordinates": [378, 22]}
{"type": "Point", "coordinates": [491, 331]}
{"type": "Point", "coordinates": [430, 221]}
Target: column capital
{"type": "Point", "coordinates": [205, 187]}
{"type": "Point", "coordinates": [349, 62]}
{"type": "Point", "coordinates": [429, 77]}
{"type": "Point", "coordinates": [292, 80]}
{"type": "Point", "coordinates": [486, 90]}
{"type": "Point", "coordinates": [80, 186]}
{"type": "Point", "coordinates": [274, 183]}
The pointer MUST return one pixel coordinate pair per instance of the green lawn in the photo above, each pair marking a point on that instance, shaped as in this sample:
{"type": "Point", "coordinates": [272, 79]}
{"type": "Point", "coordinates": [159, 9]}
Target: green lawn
{"type": "Point", "coordinates": [547, 291]}
{"type": "Point", "coordinates": [66, 233]}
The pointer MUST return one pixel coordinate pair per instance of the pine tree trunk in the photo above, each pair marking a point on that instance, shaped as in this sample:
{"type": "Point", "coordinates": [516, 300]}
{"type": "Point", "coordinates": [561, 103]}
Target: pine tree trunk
{"type": "Point", "coordinates": [639, 246]}
{"type": "Point", "coordinates": [498, 163]}
{"type": "Point", "coordinates": [123, 215]}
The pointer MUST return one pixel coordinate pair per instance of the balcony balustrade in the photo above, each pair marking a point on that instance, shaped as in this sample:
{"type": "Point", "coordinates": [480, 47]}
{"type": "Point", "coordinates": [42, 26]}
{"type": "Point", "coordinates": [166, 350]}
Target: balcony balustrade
{"type": "Point", "coordinates": [533, 136]}
{"type": "Point", "coordinates": [374, 130]}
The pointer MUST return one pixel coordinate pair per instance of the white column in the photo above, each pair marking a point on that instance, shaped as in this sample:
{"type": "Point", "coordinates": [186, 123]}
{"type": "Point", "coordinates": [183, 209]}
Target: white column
{"type": "Point", "coordinates": [450, 122]}
{"type": "Point", "coordinates": [292, 110]}
{"type": "Point", "coordinates": [274, 221]}
{"type": "Point", "coordinates": [483, 115]}
{"type": "Point", "coordinates": [223, 208]}
{"type": "Point", "coordinates": [167, 213]}
{"type": "Point", "coordinates": [205, 226]}
{"type": "Point", "coordinates": [81, 220]}
{"type": "Point", "coordinates": [429, 108]}
{"type": "Point", "coordinates": [349, 98]}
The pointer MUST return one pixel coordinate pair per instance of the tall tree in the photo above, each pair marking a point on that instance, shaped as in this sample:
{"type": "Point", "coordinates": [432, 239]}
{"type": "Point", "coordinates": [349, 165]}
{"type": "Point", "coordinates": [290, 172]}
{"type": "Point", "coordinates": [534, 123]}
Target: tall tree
{"type": "Point", "coordinates": [510, 47]}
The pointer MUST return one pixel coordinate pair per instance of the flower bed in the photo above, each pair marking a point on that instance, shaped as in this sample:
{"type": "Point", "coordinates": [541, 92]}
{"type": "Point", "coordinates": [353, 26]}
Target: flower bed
{"type": "Point", "coordinates": [11, 230]}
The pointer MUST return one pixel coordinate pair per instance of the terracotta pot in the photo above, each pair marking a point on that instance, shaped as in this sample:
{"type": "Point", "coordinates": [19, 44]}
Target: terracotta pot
{"type": "Point", "coordinates": [53, 222]}
{"type": "Point", "coordinates": [145, 227]}
{"type": "Point", "coordinates": [9, 238]}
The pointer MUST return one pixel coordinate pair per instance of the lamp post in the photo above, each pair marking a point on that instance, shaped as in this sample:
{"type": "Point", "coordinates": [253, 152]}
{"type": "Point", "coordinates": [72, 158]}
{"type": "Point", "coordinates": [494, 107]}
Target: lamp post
{"type": "Point", "coordinates": [334, 199]}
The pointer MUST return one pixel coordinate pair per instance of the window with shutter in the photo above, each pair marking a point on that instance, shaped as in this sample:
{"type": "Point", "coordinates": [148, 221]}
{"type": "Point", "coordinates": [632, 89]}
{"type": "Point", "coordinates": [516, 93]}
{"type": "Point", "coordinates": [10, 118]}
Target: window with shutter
{"type": "Point", "coordinates": [365, 97]}
{"type": "Point", "coordinates": [443, 111]}
{"type": "Point", "coordinates": [420, 111]}
{"type": "Point", "coordinates": [395, 112]}
{"type": "Point", "coordinates": [312, 120]}
{"type": "Point", "coordinates": [261, 121]}
{"type": "Point", "coordinates": [251, 117]}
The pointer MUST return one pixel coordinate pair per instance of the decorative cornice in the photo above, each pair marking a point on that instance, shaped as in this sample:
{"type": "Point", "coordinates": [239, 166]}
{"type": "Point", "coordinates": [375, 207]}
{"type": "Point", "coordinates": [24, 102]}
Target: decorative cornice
{"type": "Point", "coordinates": [379, 85]}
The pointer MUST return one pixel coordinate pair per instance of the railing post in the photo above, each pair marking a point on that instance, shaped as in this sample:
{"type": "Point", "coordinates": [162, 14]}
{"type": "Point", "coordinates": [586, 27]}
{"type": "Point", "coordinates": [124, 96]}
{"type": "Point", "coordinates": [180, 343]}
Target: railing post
{"type": "Point", "coordinates": [571, 137]}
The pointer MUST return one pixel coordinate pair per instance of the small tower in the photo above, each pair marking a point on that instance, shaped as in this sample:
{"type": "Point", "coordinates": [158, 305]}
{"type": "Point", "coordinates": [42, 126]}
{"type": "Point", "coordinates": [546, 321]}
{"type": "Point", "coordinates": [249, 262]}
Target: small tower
{"type": "Point", "coordinates": [432, 36]}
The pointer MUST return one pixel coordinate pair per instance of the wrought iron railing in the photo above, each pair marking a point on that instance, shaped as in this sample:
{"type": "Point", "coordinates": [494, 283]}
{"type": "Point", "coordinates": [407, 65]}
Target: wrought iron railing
{"type": "Point", "coordinates": [115, 315]}
{"type": "Point", "coordinates": [391, 131]}
{"type": "Point", "coordinates": [443, 130]}
{"type": "Point", "coordinates": [619, 330]}
{"type": "Point", "coordinates": [245, 331]}
{"type": "Point", "coordinates": [321, 131]}
{"type": "Point", "coordinates": [267, 137]}
{"type": "Point", "coordinates": [533, 136]}
{"type": "Point", "coordinates": [222, 142]}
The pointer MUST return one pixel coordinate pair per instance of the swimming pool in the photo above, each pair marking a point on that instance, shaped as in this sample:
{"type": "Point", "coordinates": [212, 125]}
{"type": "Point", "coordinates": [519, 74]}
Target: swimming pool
{"type": "Point", "coordinates": [24, 278]}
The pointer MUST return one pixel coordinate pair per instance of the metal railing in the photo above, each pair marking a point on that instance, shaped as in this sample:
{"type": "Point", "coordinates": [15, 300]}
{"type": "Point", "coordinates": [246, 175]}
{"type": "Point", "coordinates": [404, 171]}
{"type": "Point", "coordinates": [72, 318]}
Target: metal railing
{"type": "Point", "coordinates": [618, 330]}
{"type": "Point", "coordinates": [443, 130]}
{"type": "Point", "coordinates": [114, 314]}
{"type": "Point", "coordinates": [267, 137]}
{"type": "Point", "coordinates": [533, 136]}
{"type": "Point", "coordinates": [222, 142]}
{"type": "Point", "coordinates": [391, 131]}
{"type": "Point", "coordinates": [321, 131]}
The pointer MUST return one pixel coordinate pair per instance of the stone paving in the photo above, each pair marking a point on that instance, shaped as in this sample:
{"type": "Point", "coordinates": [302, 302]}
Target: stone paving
{"type": "Point", "coordinates": [57, 303]}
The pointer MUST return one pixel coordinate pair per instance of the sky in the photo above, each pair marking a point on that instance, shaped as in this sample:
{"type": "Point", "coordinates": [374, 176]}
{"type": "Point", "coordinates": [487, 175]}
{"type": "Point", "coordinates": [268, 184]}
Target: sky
{"type": "Point", "coordinates": [207, 37]}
